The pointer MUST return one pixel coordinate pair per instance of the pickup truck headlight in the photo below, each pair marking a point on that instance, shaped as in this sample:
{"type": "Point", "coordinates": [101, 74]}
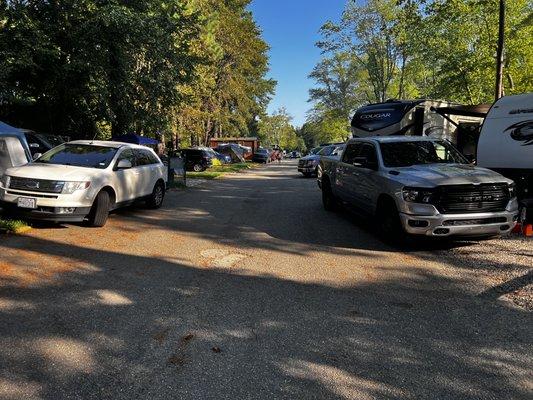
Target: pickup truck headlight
{"type": "Point", "coordinates": [512, 190]}
{"type": "Point", "coordinates": [5, 180]}
{"type": "Point", "coordinates": [71, 187]}
{"type": "Point", "coordinates": [417, 195]}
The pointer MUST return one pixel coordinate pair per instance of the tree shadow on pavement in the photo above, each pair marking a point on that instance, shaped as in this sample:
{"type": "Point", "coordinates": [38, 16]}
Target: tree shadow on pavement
{"type": "Point", "coordinates": [123, 326]}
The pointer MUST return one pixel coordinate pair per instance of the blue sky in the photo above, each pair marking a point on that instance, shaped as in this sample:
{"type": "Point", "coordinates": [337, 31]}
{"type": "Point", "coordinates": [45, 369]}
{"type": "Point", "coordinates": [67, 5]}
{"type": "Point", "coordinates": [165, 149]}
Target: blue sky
{"type": "Point", "coordinates": [291, 29]}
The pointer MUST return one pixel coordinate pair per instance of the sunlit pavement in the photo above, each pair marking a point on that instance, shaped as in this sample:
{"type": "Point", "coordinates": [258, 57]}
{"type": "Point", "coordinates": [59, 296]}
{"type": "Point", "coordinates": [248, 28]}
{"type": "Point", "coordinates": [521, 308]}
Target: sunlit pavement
{"type": "Point", "coordinates": [244, 288]}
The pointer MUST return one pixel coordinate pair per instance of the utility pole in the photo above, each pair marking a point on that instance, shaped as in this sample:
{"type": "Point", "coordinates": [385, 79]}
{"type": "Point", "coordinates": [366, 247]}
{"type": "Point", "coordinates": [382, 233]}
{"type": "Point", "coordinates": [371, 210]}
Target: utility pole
{"type": "Point", "coordinates": [499, 53]}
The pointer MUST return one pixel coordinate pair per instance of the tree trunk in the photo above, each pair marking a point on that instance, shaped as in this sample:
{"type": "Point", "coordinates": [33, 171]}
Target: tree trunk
{"type": "Point", "coordinates": [499, 54]}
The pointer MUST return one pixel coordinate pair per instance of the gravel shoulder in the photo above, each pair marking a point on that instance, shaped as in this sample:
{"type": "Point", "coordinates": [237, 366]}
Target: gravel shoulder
{"type": "Point", "coordinates": [507, 264]}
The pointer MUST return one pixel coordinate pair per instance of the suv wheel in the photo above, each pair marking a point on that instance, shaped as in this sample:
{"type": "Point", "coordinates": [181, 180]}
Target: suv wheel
{"type": "Point", "coordinates": [157, 196]}
{"type": "Point", "coordinates": [197, 168]}
{"type": "Point", "coordinates": [328, 199]}
{"type": "Point", "coordinates": [100, 210]}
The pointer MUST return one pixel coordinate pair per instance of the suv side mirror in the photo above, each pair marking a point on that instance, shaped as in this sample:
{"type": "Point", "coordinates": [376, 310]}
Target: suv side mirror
{"type": "Point", "coordinates": [124, 164]}
{"type": "Point", "coordinates": [36, 156]}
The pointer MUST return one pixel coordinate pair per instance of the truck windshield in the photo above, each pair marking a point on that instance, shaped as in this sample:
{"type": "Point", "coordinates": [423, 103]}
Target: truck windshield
{"type": "Point", "coordinates": [79, 155]}
{"type": "Point", "coordinates": [405, 154]}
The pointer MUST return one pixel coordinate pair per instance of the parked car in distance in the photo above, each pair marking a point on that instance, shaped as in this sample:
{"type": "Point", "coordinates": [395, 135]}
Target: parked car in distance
{"type": "Point", "coordinates": [261, 156]}
{"type": "Point", "coordinates": [294, 154]}
{"type": "Point", "coordinates": [84, 180]}
{"type": "Point", "coordinates": [419, 186]}
{"type": "Point", "coordinates": [309, 165]}
{"type": "Point", "coordinates": [197, 160]}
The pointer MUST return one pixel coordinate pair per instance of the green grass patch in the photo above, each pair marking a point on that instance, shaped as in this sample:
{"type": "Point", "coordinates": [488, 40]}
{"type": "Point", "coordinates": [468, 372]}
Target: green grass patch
{"type": "Point", "coordinates": [207, 174]}
{"type": "Point", "coordinates": [13, 226]}
{"type": "Point", "coordinates": [220, 170]}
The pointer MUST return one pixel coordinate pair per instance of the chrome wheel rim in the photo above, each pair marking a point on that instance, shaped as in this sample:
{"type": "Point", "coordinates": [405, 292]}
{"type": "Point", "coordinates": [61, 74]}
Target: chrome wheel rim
{"type": "Point", "coordinates": [158, 195]}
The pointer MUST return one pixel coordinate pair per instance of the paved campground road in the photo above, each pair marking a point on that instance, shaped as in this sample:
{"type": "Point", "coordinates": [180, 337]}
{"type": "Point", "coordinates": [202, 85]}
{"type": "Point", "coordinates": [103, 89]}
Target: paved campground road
{"type": "Point", "coordinates": [244, 288]}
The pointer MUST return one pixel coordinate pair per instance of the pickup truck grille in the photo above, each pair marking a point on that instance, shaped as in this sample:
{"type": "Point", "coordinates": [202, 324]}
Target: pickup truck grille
{"type": "Point", "coordinates": [462, 199]}
{"type": "Point", "coordinates": [35, 185]}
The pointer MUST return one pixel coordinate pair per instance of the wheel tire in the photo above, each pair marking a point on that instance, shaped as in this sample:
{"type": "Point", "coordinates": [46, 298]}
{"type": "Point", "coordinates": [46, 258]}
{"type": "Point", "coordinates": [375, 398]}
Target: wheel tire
{"type": "Point", "coordinates": [157, 196]}
{"type": "Point", "coordinates": [197, 168]}
{"type": "Point", "coordinates": [328, 198]}
{"type": "Point", "coordinates": [100, 210]}
{"type": "Point", "coordinates": [526, 214]}
{"type": "Point", "coordinates": [389, 224]}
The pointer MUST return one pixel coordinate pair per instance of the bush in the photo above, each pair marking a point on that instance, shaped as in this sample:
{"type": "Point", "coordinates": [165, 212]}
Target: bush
{"type": "Point", "coordinates": [13, 226]}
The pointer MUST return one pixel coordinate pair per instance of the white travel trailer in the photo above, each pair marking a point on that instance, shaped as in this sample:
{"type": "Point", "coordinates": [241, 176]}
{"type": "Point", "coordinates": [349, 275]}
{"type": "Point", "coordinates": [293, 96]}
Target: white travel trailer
{"type": "Point", "coordinates": [506, 145]}
{"type": "Point", "coordinates": [441, 119]}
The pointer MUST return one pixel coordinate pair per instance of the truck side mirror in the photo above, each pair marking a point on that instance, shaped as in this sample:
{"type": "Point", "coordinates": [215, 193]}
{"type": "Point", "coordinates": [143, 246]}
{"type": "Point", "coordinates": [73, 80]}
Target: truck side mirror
{"type": "Point", "coordinates": [364, 162]}
{"type": "Point", "coordinates": [471, 158]}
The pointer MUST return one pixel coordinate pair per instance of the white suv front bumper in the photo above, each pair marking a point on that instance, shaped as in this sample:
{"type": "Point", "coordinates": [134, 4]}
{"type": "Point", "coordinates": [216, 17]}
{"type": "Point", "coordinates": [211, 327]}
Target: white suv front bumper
{"type": "Point", "coordinates": [49, 206]}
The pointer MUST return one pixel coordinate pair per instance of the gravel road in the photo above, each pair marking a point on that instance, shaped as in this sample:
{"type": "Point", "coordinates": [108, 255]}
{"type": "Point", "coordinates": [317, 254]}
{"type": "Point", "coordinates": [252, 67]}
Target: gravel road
{"type": "Point", "coordinates": [244, 288]}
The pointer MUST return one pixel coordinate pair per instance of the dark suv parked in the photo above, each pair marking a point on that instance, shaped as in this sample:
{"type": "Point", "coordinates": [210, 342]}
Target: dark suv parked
{"type": "Point", "coordinates": [197, 160]}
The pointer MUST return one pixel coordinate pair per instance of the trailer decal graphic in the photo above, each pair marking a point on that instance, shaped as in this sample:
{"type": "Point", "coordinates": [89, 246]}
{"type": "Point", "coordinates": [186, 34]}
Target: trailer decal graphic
{"type": "Point", "coordinates": [522, 132]}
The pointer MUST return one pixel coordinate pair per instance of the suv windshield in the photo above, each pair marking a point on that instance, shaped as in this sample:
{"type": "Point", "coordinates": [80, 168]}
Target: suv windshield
{"type": "Point", "coordinates": [79, 155]}
{"type": "Point", "coordinates": [405, 154]}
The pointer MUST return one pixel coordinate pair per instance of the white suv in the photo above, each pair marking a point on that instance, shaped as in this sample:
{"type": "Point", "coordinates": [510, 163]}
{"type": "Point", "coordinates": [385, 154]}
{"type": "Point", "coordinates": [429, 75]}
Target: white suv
{"type": "Point", "coordinates": [83, 180]}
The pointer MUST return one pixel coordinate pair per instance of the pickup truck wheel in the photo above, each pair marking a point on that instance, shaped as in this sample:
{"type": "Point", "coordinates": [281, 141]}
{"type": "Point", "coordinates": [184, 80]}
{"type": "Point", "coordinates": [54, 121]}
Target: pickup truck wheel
{"type": "Point", "coordinates": [390, 225]}
{"type": "Point", "coordinates": [328, 198]}
{"type": "Point", "coordinates": [100, 210]}
{"type": "Point", "coordinates": [156, 198]}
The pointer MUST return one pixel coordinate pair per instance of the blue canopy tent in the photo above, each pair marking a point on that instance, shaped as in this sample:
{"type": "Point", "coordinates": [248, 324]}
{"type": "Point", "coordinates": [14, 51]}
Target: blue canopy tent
{"type": "Point", "coordinates": [5, 128]}
{"type": "Point", "coordinates": [135, 139]}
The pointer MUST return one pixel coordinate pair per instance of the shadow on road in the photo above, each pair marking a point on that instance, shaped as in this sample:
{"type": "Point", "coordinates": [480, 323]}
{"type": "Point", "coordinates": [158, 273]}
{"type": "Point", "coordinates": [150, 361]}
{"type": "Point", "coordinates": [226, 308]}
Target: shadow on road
{"type": "Point", "coordinates": [120, 326]}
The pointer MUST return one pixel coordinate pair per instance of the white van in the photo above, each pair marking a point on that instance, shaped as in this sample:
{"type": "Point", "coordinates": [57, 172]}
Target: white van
{"type": "Point", "coordinates": [14, 149]}
{"type": "Point", "coordinates": [506, 145]}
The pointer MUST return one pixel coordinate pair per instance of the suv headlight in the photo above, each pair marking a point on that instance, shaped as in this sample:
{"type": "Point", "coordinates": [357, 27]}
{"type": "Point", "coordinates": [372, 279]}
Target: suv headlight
{"type": "Point", "coordinates": [417, 195]}
{"type": "Point", "coordinates": [5, 180]}
{"type": "Point", "coordinates": [71, 187]}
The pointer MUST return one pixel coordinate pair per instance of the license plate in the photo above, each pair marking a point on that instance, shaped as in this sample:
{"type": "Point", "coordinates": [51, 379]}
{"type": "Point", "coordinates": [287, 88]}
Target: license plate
{"type": "Point", "coordinates": [25, 202]}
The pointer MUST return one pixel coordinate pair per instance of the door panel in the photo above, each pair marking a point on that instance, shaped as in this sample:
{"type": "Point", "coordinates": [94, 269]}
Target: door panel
{"type": "Point", "coordinates": [148, 172]}
{"type": "Point", "coordinates": [127, 180]}
{"type": "Point", "coordinates": [344, 175]}
{"type": "Point", "coordinates": [367, 181]}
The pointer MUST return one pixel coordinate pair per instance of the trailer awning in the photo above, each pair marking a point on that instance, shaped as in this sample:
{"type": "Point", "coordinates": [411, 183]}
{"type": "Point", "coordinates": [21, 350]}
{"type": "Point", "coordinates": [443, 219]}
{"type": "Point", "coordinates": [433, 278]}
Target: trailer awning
{"type": "Point", "coordinates": [479, 110]}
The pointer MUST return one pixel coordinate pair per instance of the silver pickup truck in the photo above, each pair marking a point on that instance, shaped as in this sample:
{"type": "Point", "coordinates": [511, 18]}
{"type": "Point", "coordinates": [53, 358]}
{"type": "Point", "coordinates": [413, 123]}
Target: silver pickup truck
{"type": "Point", "coordinates": [419, 186]}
